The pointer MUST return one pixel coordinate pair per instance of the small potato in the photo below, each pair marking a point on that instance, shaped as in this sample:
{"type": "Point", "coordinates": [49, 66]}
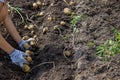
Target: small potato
{"type": "Point", "coordinates": [35, 5]}
{"type": "Point", "coordinates": [29, 59]}
{"type": "Point", "coordinates": [71, 3]}
{"type": "Point", "coordinates": [67, 11]}
{"type": "Point", "coordinates": [38, 3]}
{"type": "Point", "coordinates": [32, 43]}
{"type": "Point", "coordinates": [31, 26]}
{"type": "Point", "coordinates": [28, 52]}
{"type": "Point", "coordinates": [35, 36]}
{"type": "Point", "coordinates": [45, 29]}
{"type": "Point", "coordinates": [27, 46]}
{"type": "Point", "coordinates": [32, 32]}
{"type": "Point", "coordinates": [62, 23]}
{"type": "Point", "coordinates": [25, 37]}
{"type": "Point", "coordinates": [67, 53]}
{"type": "Point", "coordinates": [56, 27]}
{"type": "Point", "coordinates": [49, 18]}
{"type": "Point", "coordinates": [26, 27]}
{"type": "Point", "coordinates": [43, 4]}
{"type": "Point", "coordinates": [41, 13]}
{"type": "Point", "coordinates": [26, 68]}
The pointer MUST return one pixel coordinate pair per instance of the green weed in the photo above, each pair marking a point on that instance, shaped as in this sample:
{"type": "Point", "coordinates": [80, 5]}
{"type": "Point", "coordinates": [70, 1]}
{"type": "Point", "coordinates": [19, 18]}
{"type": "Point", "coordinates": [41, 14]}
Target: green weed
{"type": "Point", "coordinates": [110, 47]}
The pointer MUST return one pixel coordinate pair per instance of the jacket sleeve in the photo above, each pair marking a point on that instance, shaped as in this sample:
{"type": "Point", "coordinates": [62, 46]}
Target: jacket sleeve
{"type": "Point", "coordinates": [2, 1]}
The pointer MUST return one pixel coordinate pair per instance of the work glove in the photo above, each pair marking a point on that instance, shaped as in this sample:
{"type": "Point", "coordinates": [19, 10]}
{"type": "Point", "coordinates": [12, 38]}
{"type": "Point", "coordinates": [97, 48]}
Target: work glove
{"type": "Point", "coordinates": [24, 44]}
{"type": "Point", "coordinates": [18, 57]}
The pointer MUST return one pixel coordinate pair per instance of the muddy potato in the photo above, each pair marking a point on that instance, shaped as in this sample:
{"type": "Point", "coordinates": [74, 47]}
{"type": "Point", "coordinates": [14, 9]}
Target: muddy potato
{"type": "Point", "coordinates": [43, 4]}
{"type": "Point", "coordinates": [71, 3]}
{"type": "Point", "coordinates": [31, 26]}
{"type": "Point", "coordinates": [38, 3]}
{"type": "Point", "coordinates": [25, 37]}
{"type": "Point", "coordinates": [66, 11]}
{"type": "Point", "coordinates": [49, 18]}
{"type": "Point", "coordinates": [35, 36]}
{"type": "Point", "coordinates": [45, 29]}
{"type": "Point", "coordinates": [29, 59]}
{"type": "Point", "coordinates": [35, 5]}
{"type": "Point", "coordinates": [62, 23]}
{"type": "Point", "coordinates": [55, 27]}
{"type": "Point", "coordinates": [32, 32]}
{"type": "Point", "coordinates": [28, 52]}
{"type": "Point", "coordinates": [67, 53]}
{"type": "Point", "coordinates": [27, 46]}
{"type": "Point", "coordinates": [41, 13]}
{"type": "Point", "coordinates": [26, 68]}
{"type": "Point", "coordinates": [32, 43]}
{"type": "Point", "coordinates": [26, 27]}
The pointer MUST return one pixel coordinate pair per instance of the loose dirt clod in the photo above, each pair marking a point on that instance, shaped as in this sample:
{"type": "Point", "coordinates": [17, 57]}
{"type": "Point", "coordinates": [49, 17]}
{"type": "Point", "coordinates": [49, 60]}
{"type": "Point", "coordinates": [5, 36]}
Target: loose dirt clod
{"type": "Point", "coordinates": [67, 53]}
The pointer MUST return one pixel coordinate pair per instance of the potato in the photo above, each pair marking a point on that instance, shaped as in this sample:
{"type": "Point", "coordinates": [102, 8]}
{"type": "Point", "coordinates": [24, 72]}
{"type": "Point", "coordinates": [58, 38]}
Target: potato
{"type": "Point", "coordinates": [56, 27]}
{"type": "Point", "coordinates": [28, 52]}
{"type": "Point", "coordinates": [71, 3]}
{"type": "Point", "coordinates": [35, 36]}
{"type": "Point", "coordinates": [35, 5]}
{"type": "Point", "coordinates": [27, 46]}
{"type": "Point", "coordinates": [41, 13]}
{"type": "Point", "coordinates": [29, 59]}
{"type": "Point", "coordinates": [62, 23]}
{"type": "Point", "coordinates": [49, 18]}
{"type": "Point", "coordinates": [32, 43]}
{"type": "Point", "coordinates": [26, 27]}
{"type": "Point", "coordinates": [26, 68]}
{"type": "Point", "coordinates": [45, 29]}
{"type": "Point", "coordinates": [31, 26]}
{"type": "Point", "coordinates": [43, 4]}
{"type": "Point", "coordinates": [67, 53]}
{"type": "Point", "coordinates": [67, 11]}
{"type": "Point", "coordinates": [32, 32]}
{"type": "Point", "coordinates": [38, 3]}
{"type": "Point", "coordinates": [25, 37]}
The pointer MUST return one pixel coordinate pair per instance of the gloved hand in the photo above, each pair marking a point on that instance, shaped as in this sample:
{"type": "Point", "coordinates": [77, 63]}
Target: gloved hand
{"type": "Point", "coordinates": [18, 57]}
{"type": "Point", "coordinates": [23, 42]}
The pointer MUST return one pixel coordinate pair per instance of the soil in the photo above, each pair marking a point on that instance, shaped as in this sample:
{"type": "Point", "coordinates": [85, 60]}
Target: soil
{"type": "Point", "coordinates": [49, 59]}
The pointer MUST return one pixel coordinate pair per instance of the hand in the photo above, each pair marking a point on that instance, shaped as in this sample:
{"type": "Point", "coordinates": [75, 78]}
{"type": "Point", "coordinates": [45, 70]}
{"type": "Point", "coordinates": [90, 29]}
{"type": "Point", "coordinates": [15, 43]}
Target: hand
{"type": "Point", "coordinates": [23, 44]}
{"type": "Point", "coordinates": [18, 57]}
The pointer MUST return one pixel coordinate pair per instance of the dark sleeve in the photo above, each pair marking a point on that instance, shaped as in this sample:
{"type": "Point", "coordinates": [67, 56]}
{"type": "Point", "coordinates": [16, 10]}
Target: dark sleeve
{"type": "Point", "coordinates": [2, 1]}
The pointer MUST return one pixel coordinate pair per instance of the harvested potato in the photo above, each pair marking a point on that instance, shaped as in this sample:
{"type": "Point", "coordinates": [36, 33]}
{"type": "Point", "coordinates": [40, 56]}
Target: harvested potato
{"type": "Point", "coordinates": [68, 53]}
{"type": "Point", "coordinates": [43, 4]}
{"type": "Point", "coordinates": [56, 27]}
{"type": "Point", "coordinates": [32, 43]}
{"type": "Point", "coordinates": [26, 27]}
{"type": "Point", "coordinates": [38, 3]}
{"type": "Point", "coordinates": [32, 32]}
{"type": "Point", "coordinates": [28, 52]}
{"type": "Point", "coordinates": [26, 68]}
{"type": "Point", "coordinates": [62, 23]}
{"type": "Point", "coordinates": [35, 5]}
{"type": "Point", "coordinates": [71, 3]}
{"type": "Point", "coordinates": [31, 26]}
{"type": "Point", "coordinates": [49, 18]}
{"type": "Point", "coordinates": [67, 11]}
{"type": "Point", "coordinates": [25, 37]}
{"type": "Point", "coordinates": [35, 36]}
{"type": "Point", "coordinates": [29, 59]}
{"type": "Point", "coordinates": [41, 13]}
{"type": "Point", "coordinates": [45, 29]}
{"type": "Point", "coordinates": [27, 46]}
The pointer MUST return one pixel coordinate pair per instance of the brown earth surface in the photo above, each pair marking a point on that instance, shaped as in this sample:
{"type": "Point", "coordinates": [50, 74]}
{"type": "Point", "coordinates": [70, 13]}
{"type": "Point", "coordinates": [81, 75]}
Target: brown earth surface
{"type": "Point", "coordinates": [49, 59]}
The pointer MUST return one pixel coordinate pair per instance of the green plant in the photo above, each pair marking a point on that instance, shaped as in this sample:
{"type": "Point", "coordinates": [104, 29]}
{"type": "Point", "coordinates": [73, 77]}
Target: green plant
{"type": "Point", "coordinates": [17, 9]}
{"type": "Point", "coordinates": [110, 47]}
